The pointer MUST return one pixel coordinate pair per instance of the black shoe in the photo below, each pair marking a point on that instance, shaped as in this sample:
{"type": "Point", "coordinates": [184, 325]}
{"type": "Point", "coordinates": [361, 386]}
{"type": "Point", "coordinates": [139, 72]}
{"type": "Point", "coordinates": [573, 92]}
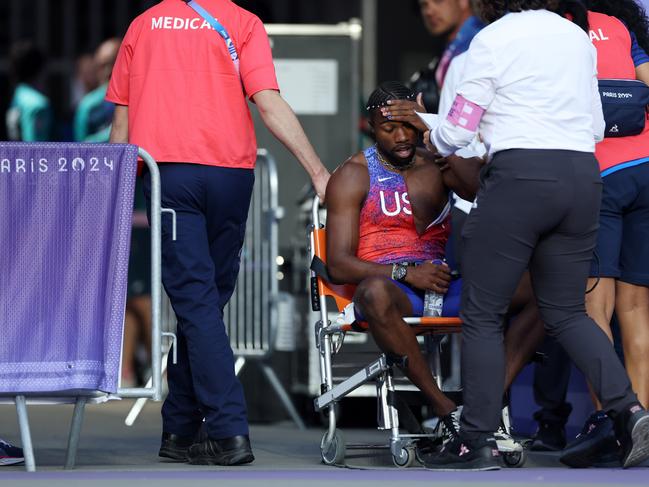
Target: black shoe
{"type": "Point", "coordinates": [549, 437]}
{"type": "Point", "coordinates": [427, 447]}
{"type": "Point", "coordinates": [609, 456]}
{"type": "Point", "coordinates": [446, 429]}
{"type": "Point", "coordinates": [632, 430]}
{"type": "Point", "coordinates": [175, 447]}
{"type": "Point", "coordinates": [597, 435]}
{"type": "Point", "coordinates": [10, 455]}
{"type": "Point", "coordinates": [228, 451]}
{"type": "Point", "coordinates": [463, 455]}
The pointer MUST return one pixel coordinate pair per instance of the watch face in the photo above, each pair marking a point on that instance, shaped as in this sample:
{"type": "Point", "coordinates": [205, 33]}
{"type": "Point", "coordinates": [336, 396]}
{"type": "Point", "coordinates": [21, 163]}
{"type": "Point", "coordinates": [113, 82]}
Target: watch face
{"type": "Point", "coordinates": [400, 272]}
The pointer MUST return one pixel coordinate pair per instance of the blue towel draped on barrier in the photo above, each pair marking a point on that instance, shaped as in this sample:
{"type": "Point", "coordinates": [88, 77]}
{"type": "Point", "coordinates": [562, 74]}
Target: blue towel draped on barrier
{"type": "Point", "coordinates": [65, 226]}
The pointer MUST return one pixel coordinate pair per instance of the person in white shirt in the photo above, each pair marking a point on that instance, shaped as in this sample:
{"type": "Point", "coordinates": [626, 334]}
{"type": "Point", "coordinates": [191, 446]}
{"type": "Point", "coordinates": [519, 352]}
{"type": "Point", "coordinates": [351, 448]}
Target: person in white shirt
{"type": "Point", "coordinates": [531, 92]}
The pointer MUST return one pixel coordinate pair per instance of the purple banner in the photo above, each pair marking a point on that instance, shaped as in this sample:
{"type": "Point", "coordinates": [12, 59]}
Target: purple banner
{"type": "Point", "coordinates": [65, 226]}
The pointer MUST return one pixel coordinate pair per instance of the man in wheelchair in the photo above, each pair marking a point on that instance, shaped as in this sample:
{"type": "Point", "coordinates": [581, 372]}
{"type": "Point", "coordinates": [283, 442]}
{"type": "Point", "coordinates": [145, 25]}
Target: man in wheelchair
{"type": "Point", "coordinates": [387, 227]}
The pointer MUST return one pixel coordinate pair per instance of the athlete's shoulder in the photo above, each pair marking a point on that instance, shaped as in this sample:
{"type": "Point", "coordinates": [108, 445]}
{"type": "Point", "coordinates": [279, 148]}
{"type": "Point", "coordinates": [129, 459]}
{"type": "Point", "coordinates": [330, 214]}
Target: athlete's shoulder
{"type": "Point", "coordinates": [424, 157]}
{"type": "Point", "coordinates": [351, 174]}
{"type": "Point", "coordinates": [353, 164]}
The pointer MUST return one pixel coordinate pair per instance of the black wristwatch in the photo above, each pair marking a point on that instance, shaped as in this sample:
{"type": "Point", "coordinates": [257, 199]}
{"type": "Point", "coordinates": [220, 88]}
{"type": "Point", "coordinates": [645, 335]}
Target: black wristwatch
{"type": "Point", "coordinates": [399, 272]}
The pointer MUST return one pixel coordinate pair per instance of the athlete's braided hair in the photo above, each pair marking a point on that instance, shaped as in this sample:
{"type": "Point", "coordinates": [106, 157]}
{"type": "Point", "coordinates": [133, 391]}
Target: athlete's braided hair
{"type": "Point", "coordinates": [388, 90]}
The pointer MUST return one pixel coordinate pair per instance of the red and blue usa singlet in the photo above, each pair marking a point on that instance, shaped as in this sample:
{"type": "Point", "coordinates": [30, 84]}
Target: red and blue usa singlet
{"type": "Point", "coordinates": [387, 227]}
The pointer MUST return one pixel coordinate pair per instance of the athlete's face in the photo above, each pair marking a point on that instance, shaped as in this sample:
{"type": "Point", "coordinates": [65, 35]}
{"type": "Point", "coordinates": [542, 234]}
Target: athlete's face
{"type": "Point", "coordinates": [442, 17]}
{"type": "Point", "coordinates": [396, 140]}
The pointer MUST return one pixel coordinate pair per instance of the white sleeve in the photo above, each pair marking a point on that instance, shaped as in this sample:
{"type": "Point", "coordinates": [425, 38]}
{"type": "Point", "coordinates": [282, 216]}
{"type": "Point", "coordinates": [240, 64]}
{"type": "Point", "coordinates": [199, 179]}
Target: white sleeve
{"type": "Point", "coordinates": [599, 125]}
{"type": "Point", "coordinates": [451, 82]}
{"type": "Point", "coordinates": [474, 94]}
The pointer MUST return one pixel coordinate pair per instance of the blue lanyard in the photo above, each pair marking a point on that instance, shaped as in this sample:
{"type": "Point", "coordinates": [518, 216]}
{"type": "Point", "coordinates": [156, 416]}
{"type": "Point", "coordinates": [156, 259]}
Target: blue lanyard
{"type": "Point", "coordinates": [218, 27]}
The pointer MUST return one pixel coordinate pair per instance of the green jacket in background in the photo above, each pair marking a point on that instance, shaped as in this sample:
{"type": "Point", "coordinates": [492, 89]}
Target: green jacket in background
{"type": "Point", "coordinates": [29, 117]}
{"type": "Point", "coordinates": [93, 117]}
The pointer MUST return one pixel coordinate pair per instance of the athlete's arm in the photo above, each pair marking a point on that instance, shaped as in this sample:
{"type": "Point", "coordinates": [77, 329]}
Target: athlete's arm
{"type": "Point", "coordinates": [278, 116]}
{"type": "Point", "coordinates": [462, 175]}
{"type": "Point", "coordinates": [346, 192]}
{"type": "Point", "coordinates": [473, 95]}
{"type": "Point", "coordinates": [119, 129]}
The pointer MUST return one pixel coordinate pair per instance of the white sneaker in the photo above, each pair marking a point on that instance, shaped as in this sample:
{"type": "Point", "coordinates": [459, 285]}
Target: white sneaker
{"type": "Point", "coordinates": [506, 442]}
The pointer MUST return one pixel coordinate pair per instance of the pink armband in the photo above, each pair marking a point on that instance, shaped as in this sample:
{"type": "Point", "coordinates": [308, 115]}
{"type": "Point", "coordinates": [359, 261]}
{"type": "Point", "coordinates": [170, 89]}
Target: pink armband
{"type": "Point", "coordinates": [465, 114]}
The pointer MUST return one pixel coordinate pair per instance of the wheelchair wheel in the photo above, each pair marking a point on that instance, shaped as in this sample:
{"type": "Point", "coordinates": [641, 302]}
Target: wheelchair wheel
{"type": "Point", "coordinates": [333, 453]}
{"type": "Point", "coordinates": [406, 458]}
{"type": "Point", "coordinates": [515, 459]}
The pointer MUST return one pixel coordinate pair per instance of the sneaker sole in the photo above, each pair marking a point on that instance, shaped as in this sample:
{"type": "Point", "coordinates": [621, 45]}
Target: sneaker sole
{"type": "Point", "coordinates": [640, 438]}
{"type": "Point", "coordinates": [238, 459]}
{"type": "Point", "coordinates": [508, 446]}
{"type": "Point", "coordinates": [464, 468]}
{"type": "Point", "coordinates": [586, 457]}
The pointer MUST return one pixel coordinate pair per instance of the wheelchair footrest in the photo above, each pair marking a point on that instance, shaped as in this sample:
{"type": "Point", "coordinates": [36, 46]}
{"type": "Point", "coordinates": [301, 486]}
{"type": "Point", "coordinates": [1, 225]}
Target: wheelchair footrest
{"type": "Point", "coordinates": [355, 381]}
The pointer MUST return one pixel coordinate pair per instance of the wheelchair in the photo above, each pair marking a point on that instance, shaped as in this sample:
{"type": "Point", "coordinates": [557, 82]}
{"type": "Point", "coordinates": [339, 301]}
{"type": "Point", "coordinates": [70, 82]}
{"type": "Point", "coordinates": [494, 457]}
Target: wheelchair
{"type": "Point", "coordinates": [329, 337]}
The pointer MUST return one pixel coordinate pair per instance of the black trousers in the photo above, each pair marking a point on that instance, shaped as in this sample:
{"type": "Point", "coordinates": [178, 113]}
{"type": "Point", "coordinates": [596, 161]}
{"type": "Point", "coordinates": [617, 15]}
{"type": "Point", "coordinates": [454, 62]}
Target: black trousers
{"type": "Point", "coordinates": [551, 379]}
{"type": "Point", "coordinates": [536, 209]}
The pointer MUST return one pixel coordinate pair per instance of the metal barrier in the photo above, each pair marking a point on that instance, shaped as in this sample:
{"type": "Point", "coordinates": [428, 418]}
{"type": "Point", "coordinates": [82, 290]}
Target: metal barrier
{"type": "Point", "coordinates": [153, 390]}
{"type": "Point", "coordinates": [251, 316]}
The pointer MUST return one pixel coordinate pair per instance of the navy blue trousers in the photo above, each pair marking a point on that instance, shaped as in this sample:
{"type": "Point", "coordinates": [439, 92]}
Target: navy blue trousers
{"type": "Point", "coordinates": [199, 272]}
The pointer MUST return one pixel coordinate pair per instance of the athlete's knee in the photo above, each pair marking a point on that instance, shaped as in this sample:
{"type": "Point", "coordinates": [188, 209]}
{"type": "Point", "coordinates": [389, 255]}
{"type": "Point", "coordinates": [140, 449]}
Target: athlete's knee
{"type": "Point", "coordinates": [373, 296]}
{"type": "Point", "coordinates": [637, 345]}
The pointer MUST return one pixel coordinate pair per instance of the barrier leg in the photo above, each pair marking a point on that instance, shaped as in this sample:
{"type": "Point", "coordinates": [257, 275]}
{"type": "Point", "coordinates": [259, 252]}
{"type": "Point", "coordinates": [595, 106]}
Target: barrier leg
{"type": "Point", "coordinates": [75, 432]}
{"type": "Point", "coordinates": [283, 395]}
{"type": "Point", "coordinates": [238, 365]}
{"type": "Point", "coordinates": [25, 434]}
{"type": "Point", "coordinates": [141, 402]}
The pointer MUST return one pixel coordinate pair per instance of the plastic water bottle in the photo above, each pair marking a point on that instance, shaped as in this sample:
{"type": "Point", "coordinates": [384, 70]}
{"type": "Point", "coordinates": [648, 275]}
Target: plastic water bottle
{"type": "Point", "coordinates": [433, 302]}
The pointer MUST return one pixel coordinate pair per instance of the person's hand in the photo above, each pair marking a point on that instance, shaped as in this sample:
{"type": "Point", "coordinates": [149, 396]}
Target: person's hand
{"type": "Point", "coordinates": [319, 182]}
{"type": "Point", "coordinates": [429, 145]}
{"type": "Point", "coordinates": [405, 111]}
{"type": "Point", "coordinates": [451, 162]}
{"type": "Point", "coordinates": [435, 277]}
{"type": "Point", "coordinates": [458, 163]}
{"type": "Point", "coordinates": [443, 162]}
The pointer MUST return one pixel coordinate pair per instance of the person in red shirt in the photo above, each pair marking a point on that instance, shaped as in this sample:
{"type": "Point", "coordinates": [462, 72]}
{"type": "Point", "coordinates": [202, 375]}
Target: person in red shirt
{"type": "Point", "coordinates": [181, 93]}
